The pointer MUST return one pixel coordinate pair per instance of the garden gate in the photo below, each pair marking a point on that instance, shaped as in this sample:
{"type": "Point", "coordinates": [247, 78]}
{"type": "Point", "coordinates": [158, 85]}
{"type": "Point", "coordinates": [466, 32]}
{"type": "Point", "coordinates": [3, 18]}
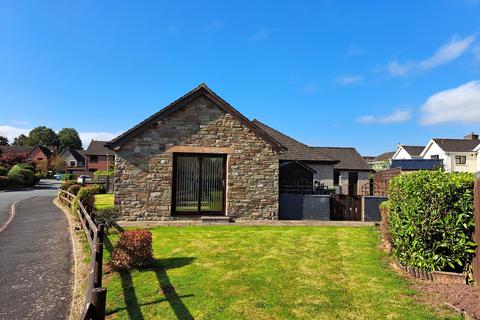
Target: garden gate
{"type": "Point", "coordinates": [346, 207]}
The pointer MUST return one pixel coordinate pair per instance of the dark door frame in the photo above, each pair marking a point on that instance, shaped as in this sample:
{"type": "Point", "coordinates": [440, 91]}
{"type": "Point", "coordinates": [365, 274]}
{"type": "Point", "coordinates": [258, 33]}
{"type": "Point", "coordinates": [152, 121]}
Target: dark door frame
{"type": "Point", "coordinates": [200, 156]}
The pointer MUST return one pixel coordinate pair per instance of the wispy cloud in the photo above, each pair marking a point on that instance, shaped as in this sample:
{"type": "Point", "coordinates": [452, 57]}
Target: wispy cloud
{"type": "Point", "coordinates": [456, 105]}
{"type": "Point", "coordinates": [215, 25]}
{"type": "Point", "coordinates": [349, 79]}
{"type": "Point", "coordinates": [354, 50]}
{"type": "Point", "coordinates": [446, 53]}
{"type": "Point", "coordinates": [398, 116]}
{"type": "Point", "coordinates": [309, 88]}
{"type": "Point", "coordinates": [12, 132]}
{"type": "Point", "coordinates": [20, 122]}
{"type": "Point", "coordinates": [260, 34]}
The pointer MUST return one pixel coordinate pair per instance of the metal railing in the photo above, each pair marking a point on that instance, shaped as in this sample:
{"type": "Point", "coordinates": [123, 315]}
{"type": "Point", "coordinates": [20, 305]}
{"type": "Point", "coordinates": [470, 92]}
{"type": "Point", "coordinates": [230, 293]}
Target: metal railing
{"type": "Point", "coordinates": [96, 295]}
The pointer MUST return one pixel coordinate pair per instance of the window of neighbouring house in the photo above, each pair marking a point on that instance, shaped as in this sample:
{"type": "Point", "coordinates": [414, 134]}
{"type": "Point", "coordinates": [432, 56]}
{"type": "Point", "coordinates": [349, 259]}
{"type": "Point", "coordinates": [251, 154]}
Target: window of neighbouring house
{"type": "Point", "coordinates": [336, 178]}
{"type": "Point", "coordinates": [435, 156]}
{"type": "Point", "coordinates": [460, 159]}
{"type": "Point", "coordinates": [93, 159]}
{"type": "Point", "coordinates": [72, 163]}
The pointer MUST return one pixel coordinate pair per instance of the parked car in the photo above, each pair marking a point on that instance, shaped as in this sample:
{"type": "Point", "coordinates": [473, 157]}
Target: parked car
{"type": "Point", "coordinates": [57, 176]}
{"type": "Point", "coordinates": [84, 178]}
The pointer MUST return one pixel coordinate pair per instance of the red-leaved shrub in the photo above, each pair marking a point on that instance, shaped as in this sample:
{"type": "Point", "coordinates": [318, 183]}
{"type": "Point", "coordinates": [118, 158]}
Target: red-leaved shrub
{"type": "Point", "coordinates": [133, 250]}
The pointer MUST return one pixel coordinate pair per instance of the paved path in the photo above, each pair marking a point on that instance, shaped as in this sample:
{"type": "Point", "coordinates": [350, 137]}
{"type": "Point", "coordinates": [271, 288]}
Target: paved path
{"type": "Point", "coordinates": [35, 261]}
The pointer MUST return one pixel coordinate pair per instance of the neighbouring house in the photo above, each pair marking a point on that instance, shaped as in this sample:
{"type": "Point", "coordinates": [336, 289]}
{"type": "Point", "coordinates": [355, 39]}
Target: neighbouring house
{"type": "Point", "coordinates": [405, 152]}
{"type": "Point", "coordinates": [382, 161]}
{"type": "Point", "coordinates": [98, 157]}
{"type": "Point", "coordinates": [41, 154]}
{"type": "Point", "coordinates": [17, 150]}
{"type": "Point", "coordinates": [198, 156]}
{"type": "Point", "coordinates": [74, 160]}
{"type": "Point", "coordinates": [459, 155]}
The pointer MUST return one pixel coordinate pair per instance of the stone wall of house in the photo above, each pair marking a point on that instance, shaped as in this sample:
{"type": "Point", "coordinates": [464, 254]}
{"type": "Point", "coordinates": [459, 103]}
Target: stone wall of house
{"type": "Point", "coordinates": [143, 166]}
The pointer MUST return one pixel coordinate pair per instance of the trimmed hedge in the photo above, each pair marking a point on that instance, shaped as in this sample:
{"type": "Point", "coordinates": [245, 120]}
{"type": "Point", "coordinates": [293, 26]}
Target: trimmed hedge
{"type": "Point", "coordinates": [431, 221]}
{"type": "Point", "coordinates": [87, 196]}
{"type": "Point", "coordinates": [3, 171]}
{"type": "Point", "coordinates": [20, 176]}
{"type": "Point", "coordinates": [74, 188]}
{"type": "Point", "coordinates": [67, 184]}
{"type": "Point", "coordinates": [99, 188]}
{"type": "Point", "coordinates": [133, 250]}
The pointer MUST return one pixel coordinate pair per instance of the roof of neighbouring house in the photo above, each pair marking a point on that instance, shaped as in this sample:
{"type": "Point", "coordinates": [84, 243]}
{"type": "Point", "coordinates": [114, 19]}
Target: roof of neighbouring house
{"type": "Point", "coordinates": [46, 150]}
{"type": "Point", "coordinates": [417, 164]}
{"type": "Point", "coordinates": [413, 150]}
{"type": "Point", "coordinates": [77, 154]}
{"type": "Point", "coordinates": [17, 149]}
{"type": "Point", "coordinates": [457, 145]}
{"type": "Point", "coordinates": [349, 158]}
{"type": "Point", "coordinates": [297, 163]}
{"type": "Point", "coordinates": [98, 148]}
{"type": "Point", "coordinates": [384, 156]}
{"type": "Point", "coordinates": [295, 150]}
{"type": "Point", "coordinates": [201, 90]}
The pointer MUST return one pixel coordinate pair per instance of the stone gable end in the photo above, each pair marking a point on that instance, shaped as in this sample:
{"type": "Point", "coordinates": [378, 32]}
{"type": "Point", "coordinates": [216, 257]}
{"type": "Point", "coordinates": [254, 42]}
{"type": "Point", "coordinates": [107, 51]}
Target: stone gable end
{"type": "Point", "coordinates": [144, 165]}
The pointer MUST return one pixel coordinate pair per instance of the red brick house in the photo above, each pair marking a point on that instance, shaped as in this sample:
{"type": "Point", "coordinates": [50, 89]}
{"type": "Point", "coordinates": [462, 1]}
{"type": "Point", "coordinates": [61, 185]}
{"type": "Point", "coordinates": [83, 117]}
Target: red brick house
{"type": "Point", "coordinates": [40, 153]}
{"type": "Point", "coordinates": [98, 157]}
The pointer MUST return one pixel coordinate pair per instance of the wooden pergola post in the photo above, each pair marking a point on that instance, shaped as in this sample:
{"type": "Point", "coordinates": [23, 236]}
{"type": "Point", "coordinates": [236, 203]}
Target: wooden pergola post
{"type": "Point", "coordinates": [476, 234]}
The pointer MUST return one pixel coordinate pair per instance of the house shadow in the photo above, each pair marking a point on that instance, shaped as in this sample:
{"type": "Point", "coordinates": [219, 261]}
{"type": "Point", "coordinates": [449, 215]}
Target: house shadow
{"type": "Point", "coordinates": [160, 267]}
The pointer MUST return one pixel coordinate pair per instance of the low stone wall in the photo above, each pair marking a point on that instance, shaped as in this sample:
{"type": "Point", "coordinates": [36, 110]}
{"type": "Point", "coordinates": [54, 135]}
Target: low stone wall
{"type": "Point", "coordinates": [304, 207]}
{"type": "Point", "coordinates": [435, 276]}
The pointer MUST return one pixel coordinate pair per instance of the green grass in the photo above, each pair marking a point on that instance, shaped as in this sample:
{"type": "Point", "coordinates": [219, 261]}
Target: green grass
{"type": "Point", "coordinates": [104, 200]}
{"type": "Point", "coordinates": [264, 273]}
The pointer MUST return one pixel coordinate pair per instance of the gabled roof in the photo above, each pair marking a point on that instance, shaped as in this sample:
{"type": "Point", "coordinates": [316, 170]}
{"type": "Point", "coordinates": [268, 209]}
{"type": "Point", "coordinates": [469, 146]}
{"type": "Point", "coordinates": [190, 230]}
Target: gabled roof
{"type": "Point", "coordinates": [17, 149]}
{"type": "Point", "coordinates": [46, 151]}
{"type": "Point", "coordinates": [295, 150]}
{"type": "Point", "coordinates": [386, 156]}
{"type": "Point", "coordinates": [98, 148]}
{"type": "Point", "coordinates": [297, 163]}
{"type": "Point", "coordinates": [201, 90]}
{"type": "Point", "coordinates": [414, 151]}
{"type": "Point", "coordinates": [349, 158]}
{"type": "Point", "coordinates": [457, 145]}
{"type": "Point", "coordinates": [75, 154]}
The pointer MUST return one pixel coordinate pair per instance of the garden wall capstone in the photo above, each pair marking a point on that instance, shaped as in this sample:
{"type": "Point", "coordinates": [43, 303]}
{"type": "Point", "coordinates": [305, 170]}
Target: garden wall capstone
{"type": "Point", "coordinates": [143, 166]}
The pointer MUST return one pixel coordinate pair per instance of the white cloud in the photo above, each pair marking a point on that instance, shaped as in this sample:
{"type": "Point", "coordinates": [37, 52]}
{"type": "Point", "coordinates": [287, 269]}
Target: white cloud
{"type": "Point", "coordinates": [349, 79]}
{"type": "Point", "coordinates": [12, 132]}
{"type": "Point", "coordinates": [460, 105]}
{"type": "Point", "coordinates": [260, 34]}
{"type": "Point", "coordinates": [354, 50]}
{"type": "Point", "coordinates": [448, 52]}
{"type": "Point", "coordinates": [398, 116]}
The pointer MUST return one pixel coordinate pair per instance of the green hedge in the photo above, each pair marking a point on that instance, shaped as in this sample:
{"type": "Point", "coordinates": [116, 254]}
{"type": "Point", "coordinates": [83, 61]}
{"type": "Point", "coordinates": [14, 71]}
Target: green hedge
{"type": "Point", "coordinates": [87, 196]}
{"type": "Point", "coordinates": [431, 220]}
{"type": "Point", "coordinates": [21, 176]}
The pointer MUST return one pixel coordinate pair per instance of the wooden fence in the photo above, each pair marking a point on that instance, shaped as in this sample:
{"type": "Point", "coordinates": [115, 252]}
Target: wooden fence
{"type": "Point", "coordinates": [95, 298]}
{"type": "Point", "coordinates": [381, 181]}
{"type": "Point", "coordinates": [345, 207]}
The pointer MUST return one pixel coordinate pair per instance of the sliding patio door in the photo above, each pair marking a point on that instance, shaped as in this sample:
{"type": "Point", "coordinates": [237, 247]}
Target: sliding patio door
{"type": "Point", "coordinates": [198, 184]}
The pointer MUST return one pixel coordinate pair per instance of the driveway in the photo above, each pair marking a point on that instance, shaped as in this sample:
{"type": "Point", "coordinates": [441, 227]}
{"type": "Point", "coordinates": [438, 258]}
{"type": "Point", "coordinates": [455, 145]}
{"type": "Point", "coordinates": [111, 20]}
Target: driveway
{"type": "Point", "coordinates": [35, 258]}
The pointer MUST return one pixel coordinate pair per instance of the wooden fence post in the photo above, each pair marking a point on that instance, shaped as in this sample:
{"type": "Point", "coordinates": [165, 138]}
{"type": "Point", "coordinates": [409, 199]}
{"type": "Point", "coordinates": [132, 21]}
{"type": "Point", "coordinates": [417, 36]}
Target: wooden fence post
{"type": "Point", "coordinates": [99, 298]}
{"type": "Point", "coordinates": [98, 256]}
{"type": "Point", "coordinates": [476, 234]}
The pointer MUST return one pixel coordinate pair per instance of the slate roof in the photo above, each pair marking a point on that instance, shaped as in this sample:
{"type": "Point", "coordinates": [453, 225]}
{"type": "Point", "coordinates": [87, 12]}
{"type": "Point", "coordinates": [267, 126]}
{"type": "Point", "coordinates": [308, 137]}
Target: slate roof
{"type": "Point", "coordinates": [414, 150]}
{"type": "Point", "coordinates": [457, 145]}
{"type": "Point", "coordinates": [77, 154]}
{"type": "Point", "coordinates": [17, 149]}
{"type": "Point", "coordinates": [349, 158]}
{"type": "Point", "coordinates": [201, 90]}
{"type": "Point", "coordinates": [384, 156]}
{"type": "Point", "coordinates": [295, 150]}
{"type": "Point", "coordinates": [417, 164]}
{"type": "Point", "coordinates": [46, 151]}
{"type": "Point", "coordinates": [98, 148]}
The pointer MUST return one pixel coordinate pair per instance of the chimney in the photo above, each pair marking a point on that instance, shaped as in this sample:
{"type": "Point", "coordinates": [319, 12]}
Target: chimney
{"type": "Point", "coordinates": [471, 136]}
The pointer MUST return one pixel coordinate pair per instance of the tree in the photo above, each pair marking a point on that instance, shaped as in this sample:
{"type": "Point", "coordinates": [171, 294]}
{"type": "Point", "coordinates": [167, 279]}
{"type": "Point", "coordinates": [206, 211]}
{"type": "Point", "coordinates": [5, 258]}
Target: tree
{"type": "Point", "coordinates": [69, 138]}
{"type": "Point", "coordinates": [4, 141]}
{"type": "Point", "coordinates": [57, 163]}
{"type": "Point", "coordinates": [21, 140]}
{"type": "Point", "coordinates": [9, 158]}
{"type": "Point", "coordinates": [43, 136]}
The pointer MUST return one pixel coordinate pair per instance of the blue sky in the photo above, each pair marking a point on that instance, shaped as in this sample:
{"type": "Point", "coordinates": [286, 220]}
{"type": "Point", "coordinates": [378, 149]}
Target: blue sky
{"type": "Point", "coordinates": [329, 73]}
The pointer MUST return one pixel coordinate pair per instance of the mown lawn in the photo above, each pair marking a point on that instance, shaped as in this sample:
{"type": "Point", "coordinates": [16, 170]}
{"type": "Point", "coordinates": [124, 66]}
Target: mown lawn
{"type": "Point", "coordinates": [104, 200]}
{"type": "Point", "coordinates": [264, 273]}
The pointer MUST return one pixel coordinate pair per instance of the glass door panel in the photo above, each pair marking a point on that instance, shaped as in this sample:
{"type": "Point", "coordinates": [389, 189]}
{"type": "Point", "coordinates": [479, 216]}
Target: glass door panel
{"type": "Point", "coordinates": [187, 184]}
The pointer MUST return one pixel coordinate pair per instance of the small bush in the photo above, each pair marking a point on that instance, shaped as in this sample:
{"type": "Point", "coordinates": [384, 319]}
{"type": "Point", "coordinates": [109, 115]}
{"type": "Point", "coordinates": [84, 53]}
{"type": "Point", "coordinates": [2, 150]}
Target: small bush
{"type": "Point", "coordinates": [133, 250]}
{"type": "Point", "coordinates": [100, 188]}
{"type": "Point", "coordinates": [430, 219]}
{"type": "Point", "coordinates": [4, 182]}
{"type": "Point", "coordinates": [67, 184]}
{"type": "Point", "coordinates": [86, 195]}
{"type": "Point", "coordinates": [21, 177]}
{"type": "Point", "coordinates": [74, 188]}
{"type": "Point", "coordinates": [68, 177]}
{"type": "Point", "coordinates": [3, 171]}
{"type": "Point", "coordinates": [107, 216]}
{"type": "Point", "coordinates": [99, 173]}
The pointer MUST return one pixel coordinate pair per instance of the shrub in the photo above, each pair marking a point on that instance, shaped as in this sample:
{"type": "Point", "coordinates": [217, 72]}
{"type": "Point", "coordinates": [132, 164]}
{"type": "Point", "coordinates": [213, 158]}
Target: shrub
{"type": "Point", "coordinates": [21, 177]}
{"type": "Point", "coordinates": [99, 173]}
{"type": "Point", "coordinates": [133, 250]}
{"type": "Point", "coordinates": [430, 218]}
{"type": "Point", "coordinates": [107, 216]}
{"type": "Point", "coordinates": [100, 188]}
{"type": "Point", "coordinates": [68, 177]}
{"type": "Point", "coordinates": [87, 196]}
{"type": "Point", "coordinates": [4, 182]}
{"type": "Point", "coordinates": [3, 171]}
{"type": "Point", "coordinates": [67, 184]}
{"type": "Point", "coordinates": [74, 188]}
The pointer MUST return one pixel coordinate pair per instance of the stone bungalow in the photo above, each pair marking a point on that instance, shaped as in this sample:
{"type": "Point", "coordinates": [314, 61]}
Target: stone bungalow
{"type": "Point", "coordinates": [198, 156]}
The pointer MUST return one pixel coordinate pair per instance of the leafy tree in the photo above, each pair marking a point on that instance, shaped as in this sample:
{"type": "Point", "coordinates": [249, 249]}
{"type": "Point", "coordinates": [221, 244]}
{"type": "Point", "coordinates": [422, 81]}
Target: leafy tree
{"type": "Point", "coordinates": [9, 158]}
{"type": "Point", "coordinates": [21, 140]}
{"type": "Point", "coordinates": [57, 163]}
{"type": "Point", "coordinates": [69, 138]}
{"type": "Point", "coordinates": [4, 141]}
{"type": "Point", "coordinates": [43, 136]}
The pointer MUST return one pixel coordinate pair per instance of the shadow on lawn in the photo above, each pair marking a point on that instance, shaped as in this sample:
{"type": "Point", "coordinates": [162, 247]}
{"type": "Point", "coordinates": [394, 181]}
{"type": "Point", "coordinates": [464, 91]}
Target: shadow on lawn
{"type": "Point", "coordinates": [160, 267]}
